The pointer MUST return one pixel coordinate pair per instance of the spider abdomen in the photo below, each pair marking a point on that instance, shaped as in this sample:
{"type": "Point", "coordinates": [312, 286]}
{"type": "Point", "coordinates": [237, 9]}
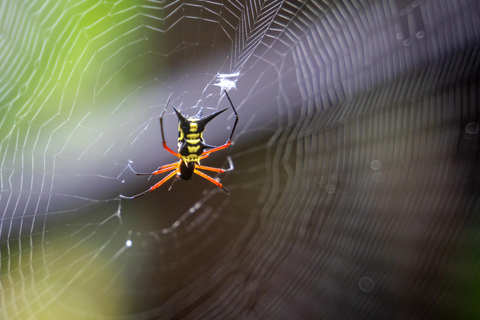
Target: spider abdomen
{"type": "Point", "coordinates": [186, 170]}
{"type": "Point", "coordinates": [191, 152]}
{"type": "Point", "coordinates": [190, 140]}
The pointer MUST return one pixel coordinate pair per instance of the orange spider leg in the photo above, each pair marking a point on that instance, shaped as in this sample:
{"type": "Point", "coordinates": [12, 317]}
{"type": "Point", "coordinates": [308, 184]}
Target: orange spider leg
{"type": "Point", "coordinates": [215, 182]}
{"type": "Point", "coordinates": [226, 145]}
{"type": "Point", "coordinates": [158, 184]}
{"type": "Point", "coordinates": [165, 168]}
{"type": "Point", "coordinates": [168, 149]}
{"type": "Point", "coordinates": [210, 169]}
{"type": "Point", "coordinates": [155, 186]}
{"type": "Point", "coordinates": [230, 168]}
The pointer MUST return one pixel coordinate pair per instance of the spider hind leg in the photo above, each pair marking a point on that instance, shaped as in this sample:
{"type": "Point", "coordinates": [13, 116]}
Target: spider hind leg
{"type": "Point", "coordinates": [215, 182]}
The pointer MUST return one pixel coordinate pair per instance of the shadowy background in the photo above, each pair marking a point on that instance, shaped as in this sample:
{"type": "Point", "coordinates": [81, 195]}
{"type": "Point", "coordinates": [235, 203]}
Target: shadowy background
{"type": "Point", "coordinates": [355, 193]}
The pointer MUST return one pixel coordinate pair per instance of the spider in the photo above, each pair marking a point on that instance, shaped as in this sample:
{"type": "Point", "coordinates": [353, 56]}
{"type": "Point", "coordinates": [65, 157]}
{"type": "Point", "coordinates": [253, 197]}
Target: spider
{"type": "Point", "coordinates": [191, 149]}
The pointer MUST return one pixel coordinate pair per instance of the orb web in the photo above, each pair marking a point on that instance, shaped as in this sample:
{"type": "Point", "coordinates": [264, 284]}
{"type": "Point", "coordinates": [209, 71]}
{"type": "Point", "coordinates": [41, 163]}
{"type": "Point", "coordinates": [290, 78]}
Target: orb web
{"type": "Point", "coordinates": [355, 157]}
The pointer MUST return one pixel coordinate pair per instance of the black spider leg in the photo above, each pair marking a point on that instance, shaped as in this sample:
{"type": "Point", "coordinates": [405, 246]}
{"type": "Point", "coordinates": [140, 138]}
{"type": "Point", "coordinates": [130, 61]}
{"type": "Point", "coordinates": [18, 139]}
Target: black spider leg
{"type": "Point", "coordinates": [236, 115]}
{"type": "Point", "coordinates": [230, 164]}
{"type": "Point", "coordinates": [230, 168]}
{"type": "Point", "coordinates": [229, 141]}
{"type": "Point", "coordinates": [164, 143]}
{"type": "Point", "coordinates": [135, 196]}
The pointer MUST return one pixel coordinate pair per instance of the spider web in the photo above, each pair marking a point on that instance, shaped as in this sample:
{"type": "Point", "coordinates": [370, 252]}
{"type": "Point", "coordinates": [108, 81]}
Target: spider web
{"type": "Point", "coordinates": [355, 189]}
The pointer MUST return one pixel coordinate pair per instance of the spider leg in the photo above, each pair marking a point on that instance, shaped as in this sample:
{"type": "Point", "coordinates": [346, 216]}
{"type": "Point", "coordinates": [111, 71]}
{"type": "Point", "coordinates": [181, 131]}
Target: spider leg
{"type": "Point", "coordinates": [155, 186]}
{"type": "Point", "coordinates": [229, 141]}
{"type": "Point", "coordinates": [206, 153]}
{"type": "Point", "coordinates": [218, 169]}
{"type": "Point", "coordinates": [236, 115]}
{"type": "Point", "coordinates": [161, 128]}
{"type": "Point", "coordinates": [165, 168]}
{"type": "Point", "coordinates": [215, 182]}
{"type": "Point", "coordinates": [161, 169]}
{"type": "Point", "coordinates": [173, 182]}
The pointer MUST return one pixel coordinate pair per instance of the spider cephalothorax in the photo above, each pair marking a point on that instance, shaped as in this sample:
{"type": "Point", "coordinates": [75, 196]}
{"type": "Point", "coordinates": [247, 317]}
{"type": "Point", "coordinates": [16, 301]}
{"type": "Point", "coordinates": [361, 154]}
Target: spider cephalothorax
{"type": "Point", "coordinates": [191, 149]}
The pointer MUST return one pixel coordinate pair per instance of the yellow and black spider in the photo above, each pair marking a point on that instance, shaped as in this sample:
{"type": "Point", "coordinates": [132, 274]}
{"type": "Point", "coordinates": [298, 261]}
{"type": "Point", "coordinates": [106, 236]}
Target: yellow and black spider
{"type": "Point", "coordinates": [191, 149]}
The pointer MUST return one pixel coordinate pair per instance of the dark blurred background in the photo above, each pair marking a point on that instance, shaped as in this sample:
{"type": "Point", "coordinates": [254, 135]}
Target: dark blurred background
{"type": "Point", "coordinates": [355, 193]}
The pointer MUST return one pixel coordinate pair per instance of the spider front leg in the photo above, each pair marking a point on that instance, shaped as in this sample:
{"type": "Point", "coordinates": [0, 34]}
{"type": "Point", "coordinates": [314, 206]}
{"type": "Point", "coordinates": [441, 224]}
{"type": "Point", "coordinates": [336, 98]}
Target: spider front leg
{"type": "Point", "coordinates": [229, 141]}
{"type": "Point", "coordinates": [164, 143]}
